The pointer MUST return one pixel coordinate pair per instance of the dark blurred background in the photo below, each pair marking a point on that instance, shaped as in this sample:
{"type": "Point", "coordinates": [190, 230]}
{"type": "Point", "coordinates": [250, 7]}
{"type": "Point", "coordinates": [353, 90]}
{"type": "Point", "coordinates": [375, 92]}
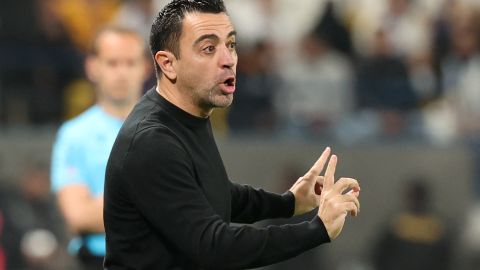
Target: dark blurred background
{"type": "Point", "coordinates": [392, 85]}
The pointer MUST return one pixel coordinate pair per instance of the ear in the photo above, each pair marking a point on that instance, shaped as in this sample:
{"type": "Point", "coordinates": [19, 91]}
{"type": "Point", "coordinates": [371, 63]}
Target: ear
{"type": "Point", "coordinates": [166, 62]}
{"type": "Point", "coordinates": [91, 68]}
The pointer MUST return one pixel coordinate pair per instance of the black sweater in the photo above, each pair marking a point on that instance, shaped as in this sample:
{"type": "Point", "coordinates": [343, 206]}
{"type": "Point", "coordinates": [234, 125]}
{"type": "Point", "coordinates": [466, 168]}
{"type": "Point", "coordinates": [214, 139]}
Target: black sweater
{"type": "Point", "coordinates": [169, 202]}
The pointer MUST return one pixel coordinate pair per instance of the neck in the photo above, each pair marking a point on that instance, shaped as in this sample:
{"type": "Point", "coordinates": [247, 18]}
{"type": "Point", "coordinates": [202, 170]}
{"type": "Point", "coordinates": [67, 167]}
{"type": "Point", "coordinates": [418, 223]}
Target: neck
{"type": "Point", "coordinates": [116, 110]}
{"type": "Point", "coordinates": [181, 99]}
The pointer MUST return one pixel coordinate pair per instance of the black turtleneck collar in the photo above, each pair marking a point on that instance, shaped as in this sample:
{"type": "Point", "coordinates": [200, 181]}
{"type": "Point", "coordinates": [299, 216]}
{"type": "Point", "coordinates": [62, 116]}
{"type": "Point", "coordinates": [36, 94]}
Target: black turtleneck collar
{"type": "Point", "coordinates": [183, 116]}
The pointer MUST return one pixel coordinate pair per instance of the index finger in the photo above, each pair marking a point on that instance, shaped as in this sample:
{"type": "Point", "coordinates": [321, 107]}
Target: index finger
{"type": "Point", "coordinates": [319, 164]}
{"type": "Point", "coordinates": [330, 173]}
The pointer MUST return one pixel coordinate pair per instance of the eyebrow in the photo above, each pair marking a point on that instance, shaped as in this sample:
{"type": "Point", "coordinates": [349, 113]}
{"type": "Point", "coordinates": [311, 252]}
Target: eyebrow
{"type": "Point", "coordinates": [213, 36]}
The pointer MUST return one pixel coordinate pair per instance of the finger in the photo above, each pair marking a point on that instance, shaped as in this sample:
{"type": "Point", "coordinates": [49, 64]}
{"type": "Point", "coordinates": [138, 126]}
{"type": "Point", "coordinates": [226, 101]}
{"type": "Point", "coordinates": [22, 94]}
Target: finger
{"type": "Point", "coordinates": [300, 179]}
{"type": "Point", "coordinates": [350, 207]}
{"type": "Point", "coordinates": [346, 183]}
{"type": "Point", "coordinates": [319, 164]}
{"type": "Point", "coordinates": [355, 192]}
{"type": "Point", "coordinates": [319, 185]}
{"type": "Point", "coordinates": [349, 197]}
{"type": "Point", "coordinates": [330, 173]}
{"type": "Point", "coordinates": [320, 179]}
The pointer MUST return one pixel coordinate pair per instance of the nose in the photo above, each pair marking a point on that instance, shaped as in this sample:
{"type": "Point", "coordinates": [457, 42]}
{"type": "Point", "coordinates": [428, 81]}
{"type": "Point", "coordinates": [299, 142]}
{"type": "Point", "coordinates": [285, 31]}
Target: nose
{"type": "Point", "coordinates": [228, 58]}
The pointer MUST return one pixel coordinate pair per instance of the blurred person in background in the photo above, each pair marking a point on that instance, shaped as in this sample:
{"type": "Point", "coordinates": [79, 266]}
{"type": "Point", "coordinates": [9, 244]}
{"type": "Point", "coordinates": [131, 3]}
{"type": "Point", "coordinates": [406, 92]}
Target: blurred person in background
{"type": "Point", "coordinates": [253, 110]}
{"type": "Point", "coordinates": [139, 15]}
{"type": "Point", "coordinates": [384, 94]}
{"type": "Point", "coordinates": [37, 61]}
{"type": "Point", "coordinates": [332, 28]}
{"type": "Point", "coordinates": [116, 65]}
{"type": "Point", "coordinates": [416, 238]}
{"type": "Point", "coordinates": [318, 88]}
{"type": "Point", "coordinates": [464, 91]}
{"type": "Point", "coordinates": [34, 232]}
{"type": "Point", "coordinates": [456, 114]}
{"type": "Point", "coordinates": [406, 26]}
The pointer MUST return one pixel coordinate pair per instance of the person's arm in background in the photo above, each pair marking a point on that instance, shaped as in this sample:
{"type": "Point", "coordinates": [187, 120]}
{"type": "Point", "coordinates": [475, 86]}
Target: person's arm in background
{"type": "Point", "coordinates": [250, 205]}
{"type": "Point", "coordinates": [82, 211]}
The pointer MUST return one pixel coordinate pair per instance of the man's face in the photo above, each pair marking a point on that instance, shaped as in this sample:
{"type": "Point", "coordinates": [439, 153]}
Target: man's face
{"type": "Point", "coordinates": [118, 69]}
{"type": "Point", "coordinates": [208, 59]}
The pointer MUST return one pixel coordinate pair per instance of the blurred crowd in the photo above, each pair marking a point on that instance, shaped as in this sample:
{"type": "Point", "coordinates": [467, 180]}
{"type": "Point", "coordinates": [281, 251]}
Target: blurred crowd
{"type": "Point", "coordinates": [347, 70]}
{"type": "Point", "coordinates": [359, 70]}
{"type": "Point", "coordinates": [351, 71]}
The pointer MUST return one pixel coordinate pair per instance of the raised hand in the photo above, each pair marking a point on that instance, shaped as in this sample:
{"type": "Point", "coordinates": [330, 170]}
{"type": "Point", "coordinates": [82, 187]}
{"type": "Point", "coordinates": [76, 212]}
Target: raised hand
{"type": "Point", "coordinates": [308, 187]}
{"type": "Point", "coordinates": [334, 202]}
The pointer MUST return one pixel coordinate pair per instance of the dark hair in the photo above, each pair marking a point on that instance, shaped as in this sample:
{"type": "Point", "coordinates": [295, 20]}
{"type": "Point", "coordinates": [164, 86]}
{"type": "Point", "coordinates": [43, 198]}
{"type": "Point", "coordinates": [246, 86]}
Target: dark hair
{"type": "Point", "coordinates": [167, 26]}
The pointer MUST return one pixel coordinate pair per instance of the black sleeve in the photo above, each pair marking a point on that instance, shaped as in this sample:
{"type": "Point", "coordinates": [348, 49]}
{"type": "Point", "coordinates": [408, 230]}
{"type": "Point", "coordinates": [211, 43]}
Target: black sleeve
{"type": "Point", "coordinates": [170, 199]}
{"type": "Point", "coordinates": [250, 205]}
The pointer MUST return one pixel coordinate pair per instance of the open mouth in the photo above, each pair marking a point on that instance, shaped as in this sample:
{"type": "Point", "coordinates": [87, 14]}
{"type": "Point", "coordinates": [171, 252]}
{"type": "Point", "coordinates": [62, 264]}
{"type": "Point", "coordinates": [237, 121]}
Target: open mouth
{"type": "Point", "coordinates": [229, 82]}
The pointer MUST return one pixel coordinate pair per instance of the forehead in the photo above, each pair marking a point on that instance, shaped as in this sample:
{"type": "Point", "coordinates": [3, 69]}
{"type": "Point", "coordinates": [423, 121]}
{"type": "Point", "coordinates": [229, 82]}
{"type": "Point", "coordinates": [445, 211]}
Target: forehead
{"type": "Point", "coordinates": [112, 42]}
{"type": "Point", "coordinates": [196, 24]}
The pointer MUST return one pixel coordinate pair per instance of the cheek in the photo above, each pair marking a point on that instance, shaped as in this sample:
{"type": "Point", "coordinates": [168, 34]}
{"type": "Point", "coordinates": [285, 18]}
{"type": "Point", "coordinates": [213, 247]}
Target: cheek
{"type": "Point", "coordinates": [195, 74]}
{"type": "Point", "coordinates": [136, 74]}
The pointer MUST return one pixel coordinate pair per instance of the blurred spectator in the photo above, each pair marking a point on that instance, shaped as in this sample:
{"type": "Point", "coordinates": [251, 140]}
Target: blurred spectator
{"type": "Point", "coordinates": [59, 64]}
{"type": "Point", "coordinates": [318, 87]}
{"type": "Point", "coordinates": [34, 233]}
{"type": "Point", "coordinates": [406, 26]}
{"type": "Point", "coordinates": [282, 22]}
{"type": "Point", "coordinates": [116, 66]}
{"type": "Point", "coordinates": [252, 110]}
{"type": "Point", "coordinates": [416, 238]}
{"type": "Point", "coordinates": [253, 20]}
{"type": "Point", "coordinates": [333, 30]}
{"type": "Point", "coordinates": [462, 70]}
{"type": "Point", "coordinates": [35, 63]}
{"type": "Point", "coordinates": [139, 15]}
{"type": "Point", "coordinates": [457, 114]}
{"type": "Point", "coordinates": [383, 88]}
{"type": "Point", "coordinates": [17, 40]}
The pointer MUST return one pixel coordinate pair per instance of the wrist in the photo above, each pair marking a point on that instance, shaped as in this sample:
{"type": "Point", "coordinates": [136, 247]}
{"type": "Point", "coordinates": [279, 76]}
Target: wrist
{"type": "Point", "coordinates": [290, 202]}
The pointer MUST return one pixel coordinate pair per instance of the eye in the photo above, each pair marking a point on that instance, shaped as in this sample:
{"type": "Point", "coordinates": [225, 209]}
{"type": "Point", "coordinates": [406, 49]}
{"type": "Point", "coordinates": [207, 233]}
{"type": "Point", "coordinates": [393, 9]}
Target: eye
{"type": "Point", "coordinates": [232, 45]}
{"type": "Point", "coordinates": [209, 49]}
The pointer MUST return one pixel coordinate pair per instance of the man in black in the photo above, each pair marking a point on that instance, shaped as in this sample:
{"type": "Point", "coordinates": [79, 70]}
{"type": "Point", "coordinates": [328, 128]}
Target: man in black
{"type": "Point", "coordinates": [168, 199]}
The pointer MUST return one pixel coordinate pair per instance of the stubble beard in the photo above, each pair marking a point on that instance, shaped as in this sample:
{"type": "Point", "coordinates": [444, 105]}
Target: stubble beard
{"type": "Point", "coordinates": [215, 99]}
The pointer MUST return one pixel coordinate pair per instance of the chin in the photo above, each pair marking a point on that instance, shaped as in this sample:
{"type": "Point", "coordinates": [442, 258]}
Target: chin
{"type": "Point", "coordinates": [223, 101]}
{"type": "Point", "coordinates": [121, 101]}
